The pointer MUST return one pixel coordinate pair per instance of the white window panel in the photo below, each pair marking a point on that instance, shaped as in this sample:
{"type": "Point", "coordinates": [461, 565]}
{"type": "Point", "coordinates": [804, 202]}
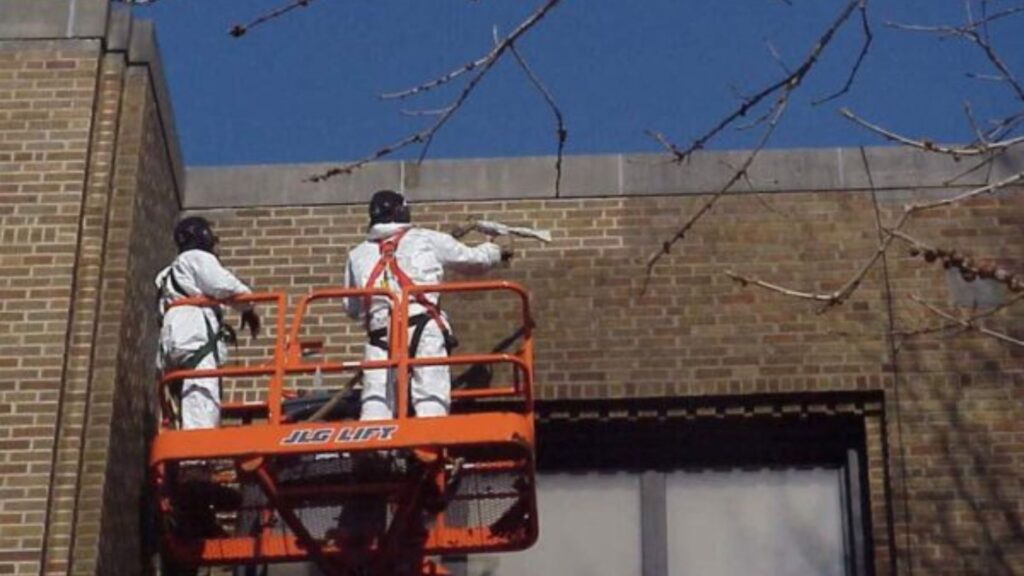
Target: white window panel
{"type": "Point", "coordinates": [589, 526]}
{"type": "Point", "coordinates": [777, 522]}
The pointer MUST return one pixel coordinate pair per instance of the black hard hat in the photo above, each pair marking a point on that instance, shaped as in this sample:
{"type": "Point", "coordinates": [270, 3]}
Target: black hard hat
{"type": "Point", "coordinates": [194, 233]}
{"type": "Point", "coordinates": [388, 206]}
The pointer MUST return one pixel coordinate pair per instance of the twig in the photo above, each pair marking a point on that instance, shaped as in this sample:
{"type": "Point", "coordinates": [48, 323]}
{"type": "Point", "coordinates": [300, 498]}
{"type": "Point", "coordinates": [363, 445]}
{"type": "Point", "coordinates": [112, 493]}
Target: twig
{"type": "Point", "coordinates": [785, 88]}
{"type": "Point", "coordinates": [239, 30]}
{"type": "Point", "coordinates": [985, 77]}
{"type": "Point", "coordinates": [987, 189]}
{"type": "Point", "coordinates": [425, 137]}
{"type": "Point", "coordinates": [982, 140]}
{"type": "Point", "coordinates": [868, 38]}
{"type": "Point", "coordinates": [831, 299]}
{"type": "Point", "coordinates": [745, 280]}
{"type": "Point", "coordinates": [929, 146]}
{"type": "Point", "coordinates": [1013, 281]}
{"type": "Point", "coordinates": [434, 112]}
{"type": "Point", "coordinates": [968, 323]}
{"type": "Point", "coordinates": [444, 79]}
{"type": "Point", "coordinates": [560, 132]}
{"type": "Point", "coordinates": [778, 57]}
{"type": "Point", "coordinates": [786, 84]}
{"type": "Point", "coordinates": [666, 246]}
{"type": "Point", "coordinates": [970, 32]}
{"type": "Point", "coordinates": [953, 30]}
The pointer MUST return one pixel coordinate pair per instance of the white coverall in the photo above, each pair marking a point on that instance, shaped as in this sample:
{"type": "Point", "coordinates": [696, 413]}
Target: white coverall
{"type": "Point", "coordinates": [423, 255]}
{"type": "Point", "coordinates": [186, 329]}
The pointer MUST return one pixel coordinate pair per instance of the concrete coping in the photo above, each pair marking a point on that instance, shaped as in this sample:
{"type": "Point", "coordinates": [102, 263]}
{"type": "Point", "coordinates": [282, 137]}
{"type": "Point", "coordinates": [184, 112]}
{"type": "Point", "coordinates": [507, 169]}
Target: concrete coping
{"type": "Point", "coordinates": [793, 170]}
{"type": "Point", "coordinates": [37, 19]}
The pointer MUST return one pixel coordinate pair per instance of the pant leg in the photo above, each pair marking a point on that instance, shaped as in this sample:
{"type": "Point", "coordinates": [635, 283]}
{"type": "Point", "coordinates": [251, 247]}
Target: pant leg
{"type": "Point", "coordinates": [377, 398]}
{"type": "Point", "coordinates": [200, 398]}
{"type": "Point", "coordinates": [431, 385]}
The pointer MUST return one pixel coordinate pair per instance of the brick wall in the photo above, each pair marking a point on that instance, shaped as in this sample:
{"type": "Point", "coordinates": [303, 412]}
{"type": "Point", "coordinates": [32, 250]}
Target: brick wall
{"type": "Point", "coordinates": [84, 158]}
{"type": "Point", "coordinates": [47, 95]}
{"type": "Point", "coordinates": [147, 210]}
{"type": "Point", "coordinates": [951, 423]}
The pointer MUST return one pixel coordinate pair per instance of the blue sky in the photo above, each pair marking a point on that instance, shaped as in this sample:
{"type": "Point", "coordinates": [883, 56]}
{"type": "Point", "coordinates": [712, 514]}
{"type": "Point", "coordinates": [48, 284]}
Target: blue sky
{"type": "Point", "coordinates": [304, 87]}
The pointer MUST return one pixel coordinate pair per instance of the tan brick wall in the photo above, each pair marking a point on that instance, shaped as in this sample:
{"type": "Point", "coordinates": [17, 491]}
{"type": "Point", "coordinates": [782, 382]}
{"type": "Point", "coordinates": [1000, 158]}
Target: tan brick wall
{"type": "Point", "coordinates": [951, 429]}
{"type": "Point", "coordinates": [83, 159]}
{"type": "Point", "coordinates": [146, 210]}
{"type": "Point", "coordinates": [71, 491]}
{"type": "Point", "coordinates": [47, 92]}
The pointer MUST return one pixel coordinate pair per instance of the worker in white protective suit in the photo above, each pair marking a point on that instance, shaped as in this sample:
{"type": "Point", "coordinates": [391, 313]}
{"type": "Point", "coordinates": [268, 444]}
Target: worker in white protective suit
{"type": "Point", "coordinates": [397, 254]}
{"type": "Point", "coordinates": [195, 337]}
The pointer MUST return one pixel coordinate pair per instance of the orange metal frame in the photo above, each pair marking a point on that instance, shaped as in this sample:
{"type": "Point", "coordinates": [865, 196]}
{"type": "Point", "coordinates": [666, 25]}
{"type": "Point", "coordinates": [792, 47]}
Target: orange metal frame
{"type": "Point", "coordinates": [484, 443]}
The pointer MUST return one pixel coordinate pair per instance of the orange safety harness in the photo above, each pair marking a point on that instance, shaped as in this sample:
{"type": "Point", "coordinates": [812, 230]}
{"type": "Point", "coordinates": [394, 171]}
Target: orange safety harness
{"type": "Point", "coordinates": [388, 264]}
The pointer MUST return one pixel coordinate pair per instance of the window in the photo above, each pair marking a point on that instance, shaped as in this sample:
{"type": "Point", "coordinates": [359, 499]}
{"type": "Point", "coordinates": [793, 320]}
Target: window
{"type": "Point", "coordinates": [591, 527]}
{"type": "Point", "coordinates": [785, 522]}
{"type": "Point", "coordinates": [717, 496]}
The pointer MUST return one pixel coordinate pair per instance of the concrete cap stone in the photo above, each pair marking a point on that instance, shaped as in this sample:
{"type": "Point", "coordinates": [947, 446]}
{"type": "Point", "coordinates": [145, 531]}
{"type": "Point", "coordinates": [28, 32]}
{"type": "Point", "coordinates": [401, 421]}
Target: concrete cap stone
{"type": "Point", "coordinates": [893, 169]}
{"type": "Point", "coordinates": [31, 19]}
{"type": "Point", "coordinates": [285, 185]}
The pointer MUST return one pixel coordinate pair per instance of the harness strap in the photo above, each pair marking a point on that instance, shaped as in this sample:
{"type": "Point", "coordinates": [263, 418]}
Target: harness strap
{"type": "Point", "coordinates": [389, 262]}
{"type": "Point", "coordinates": [212, 342]}
{"type": "Point", "coordinates": [378, 338]}
{"type": "Point", "coordinates": [386, 262]}
{"type": "Point", "coordinates": [173, 280]}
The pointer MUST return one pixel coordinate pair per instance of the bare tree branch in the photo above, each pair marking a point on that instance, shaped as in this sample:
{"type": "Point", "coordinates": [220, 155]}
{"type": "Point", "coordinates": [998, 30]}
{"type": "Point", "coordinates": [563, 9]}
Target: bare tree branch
{"type": "Point", "coordinates": [426, 136]}
{"type": "Point", "coordinates": [970, 32]}
{"type": "Point", "coordinates": [784, 88]}
{"type": "Point", "coordinates": [239, 30]}
{"type": "Point", "coordinates": [946, 326]}
{"type": "Point", "coordinates": [954, 30]}
{"type": "Point", "coordinates": [666, 246]}
{"type": "Point", "coordinates": [987, 189]}
{"type": "Point", "coordinates": [746, 280]}
{"type": "Point", "coordinates": [839, 296]}
{"type": "Point", "coordinates": [868, 38]}
{"type": "Point", "coordinates": [831, 299]}
{"type": "Point", "coordinates": [560, 133]}
{"type": "Point", "coordinates": [970, 268]}
{"type": "Point", "coordinates": [969, 323]}
{"type": "Point", "coordinates": [980, 148]}
{"type": "Point", "coordinates": [440, 81]}
{"type": "Point", "coordinates": [786, 84]}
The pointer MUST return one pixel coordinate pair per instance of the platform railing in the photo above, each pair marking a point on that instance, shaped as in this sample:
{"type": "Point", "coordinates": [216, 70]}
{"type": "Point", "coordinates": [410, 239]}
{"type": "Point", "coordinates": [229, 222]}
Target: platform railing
{"type": "Point", "coordinates": [288, 358]}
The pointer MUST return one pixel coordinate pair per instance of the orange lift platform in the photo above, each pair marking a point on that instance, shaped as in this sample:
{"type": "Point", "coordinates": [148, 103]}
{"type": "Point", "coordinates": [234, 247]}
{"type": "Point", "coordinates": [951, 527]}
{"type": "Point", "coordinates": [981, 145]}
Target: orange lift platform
{"type": "Point", "coordinates": [276, 484]}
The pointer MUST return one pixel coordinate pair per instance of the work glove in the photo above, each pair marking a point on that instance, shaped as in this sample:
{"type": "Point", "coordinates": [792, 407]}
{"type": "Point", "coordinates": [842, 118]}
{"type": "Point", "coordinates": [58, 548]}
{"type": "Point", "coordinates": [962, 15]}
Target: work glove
{"type": "Point", "coordinates": [251, 319]}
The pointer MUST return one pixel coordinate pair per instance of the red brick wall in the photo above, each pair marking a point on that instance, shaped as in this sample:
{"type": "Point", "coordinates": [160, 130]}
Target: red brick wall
{"type": "Point", "coordinates": [952, 402]}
